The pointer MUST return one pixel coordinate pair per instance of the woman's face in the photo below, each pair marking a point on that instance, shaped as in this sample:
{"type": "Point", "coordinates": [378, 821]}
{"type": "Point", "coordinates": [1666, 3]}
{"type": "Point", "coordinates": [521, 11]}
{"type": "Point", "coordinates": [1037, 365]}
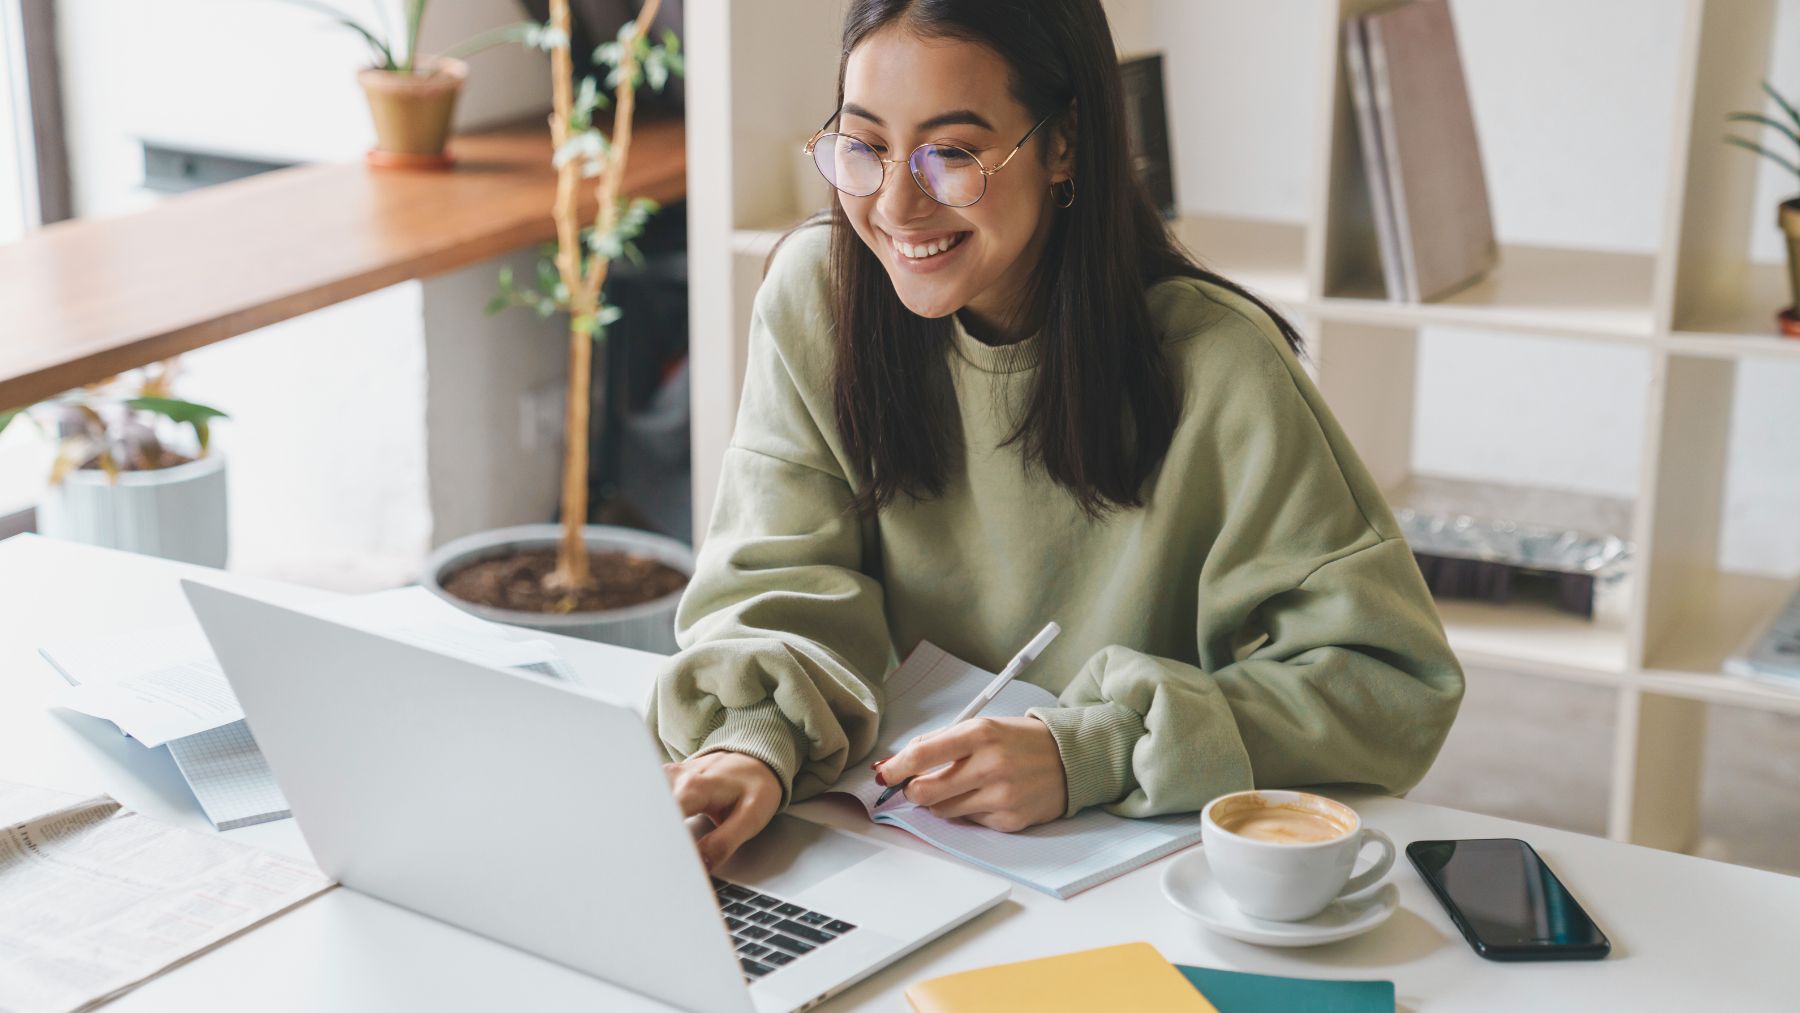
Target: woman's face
{"type": "Point", "coordinates": [901, 91]}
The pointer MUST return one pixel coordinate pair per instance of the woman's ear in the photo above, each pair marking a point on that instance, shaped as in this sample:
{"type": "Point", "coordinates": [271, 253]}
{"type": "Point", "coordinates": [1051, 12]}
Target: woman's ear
{"type": "Point", "coordinates": [1062, 147]}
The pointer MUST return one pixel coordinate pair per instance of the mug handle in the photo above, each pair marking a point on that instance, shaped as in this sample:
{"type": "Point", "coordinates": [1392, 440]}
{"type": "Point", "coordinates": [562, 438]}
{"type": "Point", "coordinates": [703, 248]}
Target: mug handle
{"type": "Point", "coordinates": [1359, 883]}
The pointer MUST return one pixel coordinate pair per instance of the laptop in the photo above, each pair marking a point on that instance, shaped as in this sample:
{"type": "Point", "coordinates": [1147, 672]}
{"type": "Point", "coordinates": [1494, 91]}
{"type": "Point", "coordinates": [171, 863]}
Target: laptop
{"type": "Point", "coordinates": [532, 812]}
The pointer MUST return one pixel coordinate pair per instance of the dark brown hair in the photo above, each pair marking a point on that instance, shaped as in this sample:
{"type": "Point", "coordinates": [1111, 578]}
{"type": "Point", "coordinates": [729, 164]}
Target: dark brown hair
{"type": "Point", "coordinates": [1104, 405]}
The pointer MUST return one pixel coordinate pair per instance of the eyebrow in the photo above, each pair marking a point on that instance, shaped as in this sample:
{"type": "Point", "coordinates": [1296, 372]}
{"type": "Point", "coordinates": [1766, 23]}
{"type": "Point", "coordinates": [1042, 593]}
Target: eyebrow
{"type": "Point", "coordinates": [952, 118]}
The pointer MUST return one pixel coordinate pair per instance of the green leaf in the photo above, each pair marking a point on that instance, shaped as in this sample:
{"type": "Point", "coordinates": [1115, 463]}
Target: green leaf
{"type": "Point", "coordinates": [6, 417]}
{"type": "Point", "coordinates": [383, 52]}
{"type": "Point", "coordinates": [1791, 134]}
{"type": "Point", "coordinates": [415, 13]}
{"type": "Point", "coordinates": [506, 278]}
{"type": "Point", "coordinates": [584, 324]}
{"type": "Point", "coordinates": [521, 32]}
{"type": "Point", "coordinates": [196, 415]}
{"type": "Point", "coordinates": [495, 305]}
{"type": "Point", "coordinates": [1786, 106]}
{"type": "Point", "coordinates": [1766, 153]}
{"type": "Point", "coordinates": [671, 41]}
{"type": "Point", "coordinates": [177, 411]}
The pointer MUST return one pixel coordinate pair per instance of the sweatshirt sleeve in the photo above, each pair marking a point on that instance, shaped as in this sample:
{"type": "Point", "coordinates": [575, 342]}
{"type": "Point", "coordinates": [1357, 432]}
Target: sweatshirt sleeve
{"type": "Point", "coordinates": [1319, 654]}
{"type": "Point", "coordinates": [782, 633]}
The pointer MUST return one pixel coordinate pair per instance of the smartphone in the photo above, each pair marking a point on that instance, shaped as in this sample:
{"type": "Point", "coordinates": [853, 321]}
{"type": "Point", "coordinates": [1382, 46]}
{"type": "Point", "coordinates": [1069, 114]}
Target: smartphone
{"type": "Point", "coordinates": [1506, 901]}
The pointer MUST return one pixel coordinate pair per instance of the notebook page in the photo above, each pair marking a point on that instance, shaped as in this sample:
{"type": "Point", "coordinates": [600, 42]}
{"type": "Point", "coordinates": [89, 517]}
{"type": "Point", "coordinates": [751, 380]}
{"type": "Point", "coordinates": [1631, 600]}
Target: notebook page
{"type": "Point", "coordinates": [1060, 858]}
{"type": "Point", "coordinates": [923, 695]}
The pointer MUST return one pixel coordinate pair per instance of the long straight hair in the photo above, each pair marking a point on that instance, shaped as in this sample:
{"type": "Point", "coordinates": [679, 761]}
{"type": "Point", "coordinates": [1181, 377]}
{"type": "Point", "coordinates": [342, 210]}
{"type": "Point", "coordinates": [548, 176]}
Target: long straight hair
{"type": "Point", "coordinates": [1104, 404]}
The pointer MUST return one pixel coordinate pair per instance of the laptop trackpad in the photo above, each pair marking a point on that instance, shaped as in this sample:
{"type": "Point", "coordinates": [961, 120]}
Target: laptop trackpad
{"type": "Point", "coordinates": [792, 855]}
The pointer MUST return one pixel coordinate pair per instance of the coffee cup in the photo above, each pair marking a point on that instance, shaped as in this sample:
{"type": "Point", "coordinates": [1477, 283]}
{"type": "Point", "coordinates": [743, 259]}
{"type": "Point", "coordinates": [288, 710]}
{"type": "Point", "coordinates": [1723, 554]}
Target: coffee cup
{"type": "Point", "coordinates": [1286, 855]}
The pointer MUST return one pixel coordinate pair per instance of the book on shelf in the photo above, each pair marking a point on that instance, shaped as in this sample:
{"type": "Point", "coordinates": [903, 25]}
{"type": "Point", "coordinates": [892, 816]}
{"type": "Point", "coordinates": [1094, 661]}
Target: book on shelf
{"type": "Point", "coordinates": [1420, 155]}
{"type": "Point", "coordinates": [1771, 654]}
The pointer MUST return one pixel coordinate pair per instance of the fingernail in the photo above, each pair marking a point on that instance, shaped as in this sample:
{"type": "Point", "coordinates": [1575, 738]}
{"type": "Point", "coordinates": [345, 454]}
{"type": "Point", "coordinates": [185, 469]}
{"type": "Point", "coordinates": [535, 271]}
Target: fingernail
{"type": "Point", "coordinates": [879, 779]}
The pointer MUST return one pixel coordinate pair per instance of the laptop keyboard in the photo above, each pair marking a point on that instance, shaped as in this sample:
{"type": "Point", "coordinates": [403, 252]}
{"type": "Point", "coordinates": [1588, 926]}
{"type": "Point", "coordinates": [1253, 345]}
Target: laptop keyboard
{"type": "Point", "coordinates": [769, 932]}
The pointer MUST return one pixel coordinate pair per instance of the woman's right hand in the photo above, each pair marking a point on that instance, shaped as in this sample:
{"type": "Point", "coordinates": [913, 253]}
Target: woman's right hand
{"type": "Point", "coordinates": [738, 792]}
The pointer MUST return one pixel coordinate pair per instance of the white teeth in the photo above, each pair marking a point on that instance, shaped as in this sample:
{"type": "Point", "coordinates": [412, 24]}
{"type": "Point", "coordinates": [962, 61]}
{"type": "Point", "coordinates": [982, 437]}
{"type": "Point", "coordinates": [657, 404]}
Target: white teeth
{"type": "Point", "coordinates": [921, 251]}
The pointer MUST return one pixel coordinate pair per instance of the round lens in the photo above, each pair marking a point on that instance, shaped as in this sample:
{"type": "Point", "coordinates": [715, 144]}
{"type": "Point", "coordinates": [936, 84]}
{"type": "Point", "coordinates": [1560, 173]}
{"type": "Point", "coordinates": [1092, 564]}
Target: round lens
{"type": "Point", "coordinates": [948, 174]}
{"type": "Point", "coordinates": [848, 164]}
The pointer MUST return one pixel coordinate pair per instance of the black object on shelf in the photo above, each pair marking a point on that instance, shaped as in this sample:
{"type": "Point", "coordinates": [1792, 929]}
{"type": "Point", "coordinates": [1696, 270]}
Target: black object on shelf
{"type": "Point", "coordinates": [1506, 543]}
{"type": "Point", "coordinates": [1502, 583]}
{"type": "Point", "coordinates": [1147, 128]}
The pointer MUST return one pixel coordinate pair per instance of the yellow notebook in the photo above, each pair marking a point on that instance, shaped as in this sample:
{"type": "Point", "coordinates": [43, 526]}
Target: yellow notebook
{"type": "Point", "coordinates": [1133, 977]}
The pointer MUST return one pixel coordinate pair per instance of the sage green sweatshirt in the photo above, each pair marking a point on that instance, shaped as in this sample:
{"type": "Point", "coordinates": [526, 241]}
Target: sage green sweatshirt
{"type": "Point", "coordinates": [1259, 622]}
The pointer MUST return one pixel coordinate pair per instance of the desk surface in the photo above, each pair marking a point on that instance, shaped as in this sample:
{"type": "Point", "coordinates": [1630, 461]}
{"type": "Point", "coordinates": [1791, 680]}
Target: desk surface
{"type": "Point", "coordinates": [1686, 932]}
{"type": "Point", "coordinates": [86, 299]}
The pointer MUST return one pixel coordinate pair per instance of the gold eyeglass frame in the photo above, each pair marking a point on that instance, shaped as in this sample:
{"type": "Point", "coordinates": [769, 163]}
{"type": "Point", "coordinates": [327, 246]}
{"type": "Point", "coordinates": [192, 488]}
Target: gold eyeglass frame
{"type": "Point", "coordinates": [821, 133]}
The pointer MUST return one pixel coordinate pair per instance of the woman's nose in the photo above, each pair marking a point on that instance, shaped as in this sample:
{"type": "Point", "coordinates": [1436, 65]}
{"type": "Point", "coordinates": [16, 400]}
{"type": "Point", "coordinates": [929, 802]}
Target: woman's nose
{"type": "Point", "coordinates": [900, 199]}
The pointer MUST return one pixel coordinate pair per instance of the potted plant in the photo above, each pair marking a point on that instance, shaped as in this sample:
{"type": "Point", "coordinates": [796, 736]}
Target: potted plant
{"type": "Point", "coordinates": [412, 95]}
{"type": "Point", "coordinates": [1788, 212]}
{"type": "Point", "coordinates": [604, 583]}
{"type": "Point", "coordinates": [119, 482]}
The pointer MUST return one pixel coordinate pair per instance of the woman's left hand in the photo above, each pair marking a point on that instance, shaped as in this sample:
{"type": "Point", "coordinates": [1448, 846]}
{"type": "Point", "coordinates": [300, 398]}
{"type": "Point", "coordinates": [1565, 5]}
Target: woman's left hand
{"type": "Point", "coordinates": [1003, 773]}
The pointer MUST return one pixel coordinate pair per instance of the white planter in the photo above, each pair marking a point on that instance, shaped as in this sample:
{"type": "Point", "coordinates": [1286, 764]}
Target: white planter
{"type": "Point", "coordinates": [648, 627]}
{"type": "Point", "coordinates": [175, 513]}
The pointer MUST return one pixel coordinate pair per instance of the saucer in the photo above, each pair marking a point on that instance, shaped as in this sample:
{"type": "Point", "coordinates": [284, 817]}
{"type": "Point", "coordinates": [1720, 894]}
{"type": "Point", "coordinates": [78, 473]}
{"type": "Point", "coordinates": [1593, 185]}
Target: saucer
{"type": "Point", "coordinates": [1189, 885]}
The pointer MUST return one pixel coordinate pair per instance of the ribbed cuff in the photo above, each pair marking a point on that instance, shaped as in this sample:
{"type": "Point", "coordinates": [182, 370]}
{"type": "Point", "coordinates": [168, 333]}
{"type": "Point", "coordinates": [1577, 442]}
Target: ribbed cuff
{"type": "Point", "coordinates": [762, 732]}
{"type": "Point", "coordinates": [1095, 743]}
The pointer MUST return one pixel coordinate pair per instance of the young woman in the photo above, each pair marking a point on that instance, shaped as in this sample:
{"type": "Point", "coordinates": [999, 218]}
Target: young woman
{"type": "Point", "coordinates": [992, 392]}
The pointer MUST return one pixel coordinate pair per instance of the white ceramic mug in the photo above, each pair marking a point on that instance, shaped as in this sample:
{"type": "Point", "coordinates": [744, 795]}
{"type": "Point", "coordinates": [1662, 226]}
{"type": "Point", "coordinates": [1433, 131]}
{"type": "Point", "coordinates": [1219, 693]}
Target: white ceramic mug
{"type": "Point", "coordinates": [1289, 881]}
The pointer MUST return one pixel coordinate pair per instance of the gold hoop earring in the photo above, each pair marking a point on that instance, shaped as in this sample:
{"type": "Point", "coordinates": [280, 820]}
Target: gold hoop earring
{"type": "Point", "coordinates": [1057, 195]}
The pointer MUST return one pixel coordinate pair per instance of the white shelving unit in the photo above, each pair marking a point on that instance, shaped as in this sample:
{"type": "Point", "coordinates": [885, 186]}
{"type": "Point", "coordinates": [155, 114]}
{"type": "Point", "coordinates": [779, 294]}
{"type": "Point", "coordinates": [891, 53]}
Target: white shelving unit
{"type": "Point", "coordinates": [762, 75]}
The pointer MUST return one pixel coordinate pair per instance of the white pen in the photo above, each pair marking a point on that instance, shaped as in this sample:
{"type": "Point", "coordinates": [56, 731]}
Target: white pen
{"type": "Point", "coordinates": [1026, 656]}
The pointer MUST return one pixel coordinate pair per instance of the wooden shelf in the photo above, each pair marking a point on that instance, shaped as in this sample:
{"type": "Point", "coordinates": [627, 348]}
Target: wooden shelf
{"type": "Point", "coordinates": [1743, 328]}
{"type": "Point", "coordinates": [1534, 289]}
{"type": "Point", "coordinates": [1535, 639]}
{"type": "Point", "coordinates": [1687, 660]}
{"type": "Point", "coordinates": [86, 299]}
{"type": "Point", "coordinates": [1268, 258]}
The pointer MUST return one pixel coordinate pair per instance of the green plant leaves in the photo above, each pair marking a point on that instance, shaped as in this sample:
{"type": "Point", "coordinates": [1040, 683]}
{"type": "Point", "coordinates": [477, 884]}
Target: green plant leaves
{"type": "Point", "coordinates": [196, 415]}
{"type": "Point", "coordinates": [1791, 133]}
{"type": "Point", "coordinates": [590, 146]}
{"type": "Point", "coordinates": [656, 61]}
{"type": "Point", "coordinates": [6, 417]}
{"type": "Point", "coordinates": [1765, 152]}
{"type": "Point", "coordinates": [383, 53]}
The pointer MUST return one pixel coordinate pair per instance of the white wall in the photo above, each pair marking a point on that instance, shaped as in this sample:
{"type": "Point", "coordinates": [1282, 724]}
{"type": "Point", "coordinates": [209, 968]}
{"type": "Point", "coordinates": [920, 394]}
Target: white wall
{"type": "Point", "coordinates": [329, 439]}
{"type": "Point", "coordinates": [1572, 101]}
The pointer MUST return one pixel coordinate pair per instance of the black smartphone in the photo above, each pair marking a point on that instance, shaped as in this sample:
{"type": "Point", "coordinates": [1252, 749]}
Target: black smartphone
{"type": "Point", "coordinates": [1506, 901]}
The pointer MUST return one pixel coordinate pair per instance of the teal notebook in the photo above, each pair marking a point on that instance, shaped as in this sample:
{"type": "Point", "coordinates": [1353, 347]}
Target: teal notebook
{"type": "Point", "coordinates": [1237, 992]}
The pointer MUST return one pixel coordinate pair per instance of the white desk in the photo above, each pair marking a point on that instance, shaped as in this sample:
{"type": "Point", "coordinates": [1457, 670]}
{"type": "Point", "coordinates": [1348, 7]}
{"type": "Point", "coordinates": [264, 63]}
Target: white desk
{"type": "Point", "coordinates": [1686, 932]}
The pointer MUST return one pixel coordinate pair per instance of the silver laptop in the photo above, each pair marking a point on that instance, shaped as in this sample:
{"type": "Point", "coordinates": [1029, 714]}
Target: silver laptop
{"type": "Point", "coordinates": [527, 810]}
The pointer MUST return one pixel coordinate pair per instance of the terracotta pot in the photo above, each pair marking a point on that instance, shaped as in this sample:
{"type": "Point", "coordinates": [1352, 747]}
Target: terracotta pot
{"type": "Point", "coordinates": [1789, 219]}
{"type": "Point", "coordinates": [412, 111]}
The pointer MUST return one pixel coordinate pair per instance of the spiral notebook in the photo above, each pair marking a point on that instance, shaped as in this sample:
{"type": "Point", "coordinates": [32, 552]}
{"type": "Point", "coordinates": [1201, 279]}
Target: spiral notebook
{"type": "Point", "coordinates": [1061, 858]}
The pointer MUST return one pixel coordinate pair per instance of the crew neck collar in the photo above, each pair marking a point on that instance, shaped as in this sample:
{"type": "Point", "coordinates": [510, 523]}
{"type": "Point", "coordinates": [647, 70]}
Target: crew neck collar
{"type": "Point", "coordinates": [1013, 358]}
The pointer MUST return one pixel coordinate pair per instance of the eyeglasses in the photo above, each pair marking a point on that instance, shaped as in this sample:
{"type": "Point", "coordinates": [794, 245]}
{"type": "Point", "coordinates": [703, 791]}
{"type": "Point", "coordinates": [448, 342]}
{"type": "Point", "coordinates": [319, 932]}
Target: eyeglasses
{"type": "Point", "coordinates": [950, 175]}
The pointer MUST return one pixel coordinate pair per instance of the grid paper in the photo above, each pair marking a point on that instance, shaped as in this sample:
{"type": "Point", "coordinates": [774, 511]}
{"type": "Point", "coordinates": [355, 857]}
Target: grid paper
{"type": "Point", "coordinates": [229, 776]}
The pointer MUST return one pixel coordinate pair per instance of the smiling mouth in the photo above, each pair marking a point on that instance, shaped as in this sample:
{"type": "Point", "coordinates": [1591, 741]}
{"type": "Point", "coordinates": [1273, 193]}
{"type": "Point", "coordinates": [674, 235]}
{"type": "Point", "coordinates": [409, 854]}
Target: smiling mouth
{"type": "Point", "coordinates": [929, 249]}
